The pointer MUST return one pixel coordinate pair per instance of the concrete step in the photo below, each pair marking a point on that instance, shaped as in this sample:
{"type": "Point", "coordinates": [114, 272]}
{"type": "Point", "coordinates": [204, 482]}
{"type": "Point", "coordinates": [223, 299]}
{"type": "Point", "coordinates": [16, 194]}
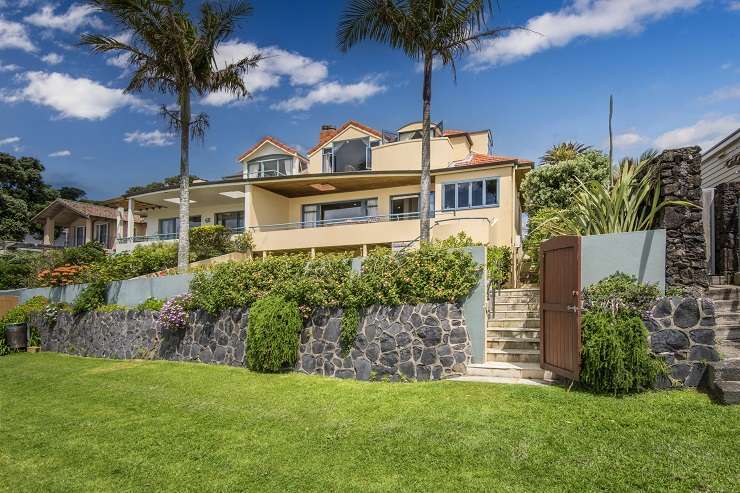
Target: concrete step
{"type": "Point", "coordinates": [513, 355]}
{"type": "Point", "coordinates": [727, 318]}
{"type": "Point", "coordinates": [729, 349]}
{"type": "Point", "coordinates": [513, 333]}
{"type": "Point", "coordinates": [726, 370]}
{"type": "Point", "coordinates": [508, 314]}
{"type": "Point", "coordinates": [501, 380]}
{"type": "Point", "coordinates": [726, 305]}
{"type": "Point", "coordinates": [727, 333]}
{"type": "Point", "coordinates": [508, 370]}
{"type": "Point", "coordinates": [724, 292]}
{"type": "Point", "coordinates": [510, 343]}
{"type": "Point", "coordinates": [514, 323]}
{"type": "Point", "coordinates": [518, 291]}
{"type": "Point", "coordinates": [505, 307]}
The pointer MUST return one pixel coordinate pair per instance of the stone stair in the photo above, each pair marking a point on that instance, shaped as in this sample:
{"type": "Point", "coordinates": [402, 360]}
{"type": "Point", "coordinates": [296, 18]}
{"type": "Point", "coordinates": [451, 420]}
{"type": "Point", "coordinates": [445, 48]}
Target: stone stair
{"type": "Point", "coordinates": [722, 378]}
{"type": "Point", "coordinates": [513, 338]}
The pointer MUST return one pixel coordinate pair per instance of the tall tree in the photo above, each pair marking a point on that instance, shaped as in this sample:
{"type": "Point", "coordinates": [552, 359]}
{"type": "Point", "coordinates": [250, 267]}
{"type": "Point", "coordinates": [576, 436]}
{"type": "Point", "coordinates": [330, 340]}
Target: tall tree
{"type": "Point", "coordinates": [171, 53]}
{"type": "Point", "coordinates": [23, 194]}
{"type": "Point", "coordinates": [71, 193]}
{"type": "Point", "coordinates": [426, 31]}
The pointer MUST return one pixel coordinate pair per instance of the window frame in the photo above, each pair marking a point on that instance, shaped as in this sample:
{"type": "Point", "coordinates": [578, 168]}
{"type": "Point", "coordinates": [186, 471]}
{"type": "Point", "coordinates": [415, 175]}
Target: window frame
{"type": "Point", "coordinates": [238, 227]}
{"type": "Point", "coordinates": [84, 235]}
{"type": "Point", "coordinates": [97, 228]}
{"type": "Point", "coordinates": [399, 217]}
{"type": "Point", "coordinates": [260, 163]}
{"type": "Point", "coordinates": [483, 181]}
{"type": "Point", "coordinates": [318, 222]}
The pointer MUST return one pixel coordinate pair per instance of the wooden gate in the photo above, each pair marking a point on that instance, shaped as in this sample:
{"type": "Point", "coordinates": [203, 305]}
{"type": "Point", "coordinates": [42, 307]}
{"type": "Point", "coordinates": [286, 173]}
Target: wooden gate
{"type": "Point", "coordinates": [6, 303]}
{"type": "Point", "coordinates": [560, 306]}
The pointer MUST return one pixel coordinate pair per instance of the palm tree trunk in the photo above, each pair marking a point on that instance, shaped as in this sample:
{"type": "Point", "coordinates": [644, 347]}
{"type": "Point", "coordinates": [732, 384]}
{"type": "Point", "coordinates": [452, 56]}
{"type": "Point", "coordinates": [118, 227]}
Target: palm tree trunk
{"type": "Point", "coordinates": [426, 178]}
{"type": "Point", "coordinates": [183, 248]}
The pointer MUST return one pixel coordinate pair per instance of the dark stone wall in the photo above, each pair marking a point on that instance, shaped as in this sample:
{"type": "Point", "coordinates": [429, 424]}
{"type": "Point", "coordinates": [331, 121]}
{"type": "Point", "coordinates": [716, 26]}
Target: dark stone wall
{"type": "Point", "coordinates": [680, 174]}
{"type": "Point", "coordinates": [682, 334]}
{"type": "Point", "coordinates": [725, 223]}
{"type": "Point", "coordinates": [415, 342]}
{"type": "Point", "coordinates": [132, 334]}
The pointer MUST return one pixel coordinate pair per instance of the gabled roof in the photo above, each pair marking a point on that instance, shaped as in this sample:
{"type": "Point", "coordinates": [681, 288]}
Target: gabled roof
{"type": "Point", "coordinates": [349, 123]}
{"type": "Point", "coordinates": [477, 159]}
{"type": "Point", "coordinates": [83, 209]}
{"type": "Point", "coordinates": [277, 143]}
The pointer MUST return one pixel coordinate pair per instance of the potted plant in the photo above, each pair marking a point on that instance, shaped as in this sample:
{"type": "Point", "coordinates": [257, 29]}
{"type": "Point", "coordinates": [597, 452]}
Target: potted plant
{"type": "Point", "coordinates": [34, 340]}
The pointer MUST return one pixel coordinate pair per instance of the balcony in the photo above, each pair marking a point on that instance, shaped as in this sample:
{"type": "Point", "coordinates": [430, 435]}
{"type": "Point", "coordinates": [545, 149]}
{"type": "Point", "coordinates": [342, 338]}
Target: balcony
{"type": "Point", "coordinates": [126, 244]}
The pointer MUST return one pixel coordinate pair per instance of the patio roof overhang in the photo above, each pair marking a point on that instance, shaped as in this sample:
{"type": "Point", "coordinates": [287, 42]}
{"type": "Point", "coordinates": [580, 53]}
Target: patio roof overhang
{"type": "Point", "coordinates": [227, 192]}
{"type": "Point", "coordinates": [322, 183]}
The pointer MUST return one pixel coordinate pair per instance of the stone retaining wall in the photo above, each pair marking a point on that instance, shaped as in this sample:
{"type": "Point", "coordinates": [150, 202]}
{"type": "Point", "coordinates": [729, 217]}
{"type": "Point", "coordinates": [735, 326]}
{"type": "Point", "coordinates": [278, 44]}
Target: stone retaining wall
{"type": "Point", "coordinates": [682, 333]}
{"type": "Point", "coordinates": [418, 342]}
{"type": "Point", "coordinates": [134, 334]}
{"type": "Point", "coordinates": [726, 223]}
{"type": "Point", "coordinates": [415, 342]}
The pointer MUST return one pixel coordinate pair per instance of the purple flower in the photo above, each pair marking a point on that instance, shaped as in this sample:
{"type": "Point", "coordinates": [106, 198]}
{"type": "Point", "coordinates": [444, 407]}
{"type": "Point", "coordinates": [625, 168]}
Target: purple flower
{"type": "Point", "coordinates": [173, 315]}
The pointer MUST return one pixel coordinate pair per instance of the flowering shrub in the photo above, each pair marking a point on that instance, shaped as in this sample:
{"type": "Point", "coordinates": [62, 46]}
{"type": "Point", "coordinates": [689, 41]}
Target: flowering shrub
{"type": "Point", "coordinates": [174, 313]}
{"type": "Point", "coordinates": [61, 276]}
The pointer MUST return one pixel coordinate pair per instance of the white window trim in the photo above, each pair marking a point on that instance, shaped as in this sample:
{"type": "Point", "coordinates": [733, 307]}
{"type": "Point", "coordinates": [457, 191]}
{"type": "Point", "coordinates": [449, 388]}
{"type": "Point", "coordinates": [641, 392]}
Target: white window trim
{"type": "Point", "coordinates": [470, 193]}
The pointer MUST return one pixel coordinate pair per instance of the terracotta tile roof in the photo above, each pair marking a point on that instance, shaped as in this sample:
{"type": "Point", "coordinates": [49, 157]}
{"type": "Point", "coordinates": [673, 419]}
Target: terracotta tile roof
{"type": "Point", "coordinates": [476, 159]}
{"type": "Point", "coordinates": [341, 129]}
{"type": "Point", "coordinates": [84, 209]}
{"type": "Point", "coordinates": [277, 143]}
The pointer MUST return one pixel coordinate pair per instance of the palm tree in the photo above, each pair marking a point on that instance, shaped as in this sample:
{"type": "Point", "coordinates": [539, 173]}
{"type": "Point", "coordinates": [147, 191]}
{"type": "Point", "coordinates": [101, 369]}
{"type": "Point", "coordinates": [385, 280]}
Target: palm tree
{"type": "Point", "coordinates": [426, 31]}
{"type": "Point", "coordinates": [563, 152]}
{"type": "Point", "coordinates": [170, 53]}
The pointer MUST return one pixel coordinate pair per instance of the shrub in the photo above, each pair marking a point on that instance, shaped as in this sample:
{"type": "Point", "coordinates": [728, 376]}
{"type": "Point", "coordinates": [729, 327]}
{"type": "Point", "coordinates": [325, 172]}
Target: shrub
{"type": "Point", "coordinates": [16, 269]}
{"type": "Point", "coordinates": [274, 327]}
{"type": "Point", "coordinates": [615, 357]}
{"type": "Point", "coordinates": [350, 326]}
{"type": "Point", "coordinates": [210, 241]}
{"type": "Point", "coordinates": [174, 312]}
{"type": "Point", "coordinates": [244, 242]}
{"type": "Point", "coordinates": [142, 260]}
{"type": "Point", "coordinates": [83, 255]}
{"type": "Point", "coordinates": [111, 308]}
{"type": "Point", "coordinates": [92, 297]}
{"type": "Point", "coordinates": [498, 264]}
{"type": "Point", "coordinates": [152, 304]}
{"type": "Point", "coordinates": [61, 276]}
{"type": "Point", "coordinates": [621, 292]}
{"type": "Point", "coordinates": [20, 314]}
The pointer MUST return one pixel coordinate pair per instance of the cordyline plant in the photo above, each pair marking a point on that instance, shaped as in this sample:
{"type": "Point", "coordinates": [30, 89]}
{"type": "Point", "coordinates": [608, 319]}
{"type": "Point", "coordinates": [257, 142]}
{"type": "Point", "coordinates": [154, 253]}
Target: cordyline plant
{"type": "Point", "coordinates": [632, 203]}
{"type": "Point", "coordinates": [170, 53]}
{"type": "Point", "coordinates": [426, 31]}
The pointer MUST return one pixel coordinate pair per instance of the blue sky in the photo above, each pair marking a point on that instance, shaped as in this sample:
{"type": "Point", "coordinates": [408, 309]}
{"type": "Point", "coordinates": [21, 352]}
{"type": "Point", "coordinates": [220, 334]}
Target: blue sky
{"type": "Point", "coordinates": [672, 65]}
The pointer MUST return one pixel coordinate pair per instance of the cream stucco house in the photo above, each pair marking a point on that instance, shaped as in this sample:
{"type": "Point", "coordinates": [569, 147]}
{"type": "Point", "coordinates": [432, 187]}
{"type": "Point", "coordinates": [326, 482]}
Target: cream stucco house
{"type": "Point", "coordinates": [355, 189]}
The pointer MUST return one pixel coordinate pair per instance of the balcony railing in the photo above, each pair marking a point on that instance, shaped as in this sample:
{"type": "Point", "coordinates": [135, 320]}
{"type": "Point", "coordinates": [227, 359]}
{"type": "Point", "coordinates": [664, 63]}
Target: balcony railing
{"type": "Point", "coordinates": [339, 222]}
{"type": "Point", "coordinates": [162, 237]}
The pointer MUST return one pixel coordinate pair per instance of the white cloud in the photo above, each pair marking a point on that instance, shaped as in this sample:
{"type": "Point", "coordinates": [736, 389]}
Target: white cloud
{"type": "Point", "coordinates": [734, 5]}
{"type": "Point", "coordinates": [71, 97]}
{"type": "Point", "coordinates": [62, 153]}
{"type": "Point", "coordinates": [276, 65]}
{"type": "Point", "coordinates": [724, 93]}
{"type": "Point", "coordinates": [53, 58]}
{"type": "Point", "coordinates": [77, 16]}
{"type": "Point", "coordinates": [628, 139]}
{"type": "Point", "coordinates": [121, 60]}
{"type": "Point", "coordinates": [726, 66]}
{"type": "Point", "coordinates": [11, 67]}
{"type": "Point", "coordinates": [149, 139]}
{"type": "Point", "coordinates": [581, 18]}
{"type": "Point", "coordinates": [15, 35]}
{"type": "Point", "coordinates": [331, 92]}
{"type": "Point", "coordinates": [704, 133]}
{"type": "Point", "coordinates": [9, 140]}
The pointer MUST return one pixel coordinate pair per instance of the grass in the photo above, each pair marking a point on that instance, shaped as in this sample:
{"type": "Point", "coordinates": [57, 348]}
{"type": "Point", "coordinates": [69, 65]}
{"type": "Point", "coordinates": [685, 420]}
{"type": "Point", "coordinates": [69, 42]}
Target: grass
{"type": "Point", "coordinates": [83, 424]}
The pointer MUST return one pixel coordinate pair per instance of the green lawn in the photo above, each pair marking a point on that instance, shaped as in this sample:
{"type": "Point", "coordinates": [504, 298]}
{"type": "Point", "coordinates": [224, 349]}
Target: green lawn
{"type": "Point", "coordinates": [83, 424]}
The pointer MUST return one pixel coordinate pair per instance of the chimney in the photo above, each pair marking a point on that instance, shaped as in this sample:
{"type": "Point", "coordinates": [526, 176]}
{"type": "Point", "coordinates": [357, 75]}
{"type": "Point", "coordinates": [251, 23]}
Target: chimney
{"type": "Point", "coordinates": [327, 132]}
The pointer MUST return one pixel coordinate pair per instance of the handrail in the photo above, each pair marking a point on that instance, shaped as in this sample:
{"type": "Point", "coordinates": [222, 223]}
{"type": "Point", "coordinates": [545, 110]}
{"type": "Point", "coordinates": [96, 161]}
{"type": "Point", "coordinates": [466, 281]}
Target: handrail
{"type": "Point", "coordinates": [163, 236]}
{"type": "Point", "coordinates": [408, 245]}
{"type": "Point", "coordinates": [337, 222]}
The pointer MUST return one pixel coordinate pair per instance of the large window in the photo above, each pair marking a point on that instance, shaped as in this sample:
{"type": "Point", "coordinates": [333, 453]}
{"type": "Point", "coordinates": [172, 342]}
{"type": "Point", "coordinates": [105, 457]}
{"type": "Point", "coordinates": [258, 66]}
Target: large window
{"type": "Point", "coordinates": [170, 227]}
{"type": "Point", "coordinates": [273, 165]}
{"type": "Point", "coordinates": [470, 194]}
{"type": "Point", "coordinates": [80, 235]}
{"type": "Point", "coordinates": [348, 155]}
{"type": "Point", "coordinates": [232, 220]}
{"type": "Point", "coordinates": [407, 206]}
{"type": "Point", "coordinates": [101, 233]}
{"type": "Point", "coordinates": [338, 212]}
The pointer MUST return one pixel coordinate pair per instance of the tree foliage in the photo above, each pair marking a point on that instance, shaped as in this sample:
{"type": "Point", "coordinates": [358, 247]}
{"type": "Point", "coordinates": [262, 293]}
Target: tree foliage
{"type": "Point", "coordinates": [23, 194]}
{"type": "Point", "coordinates": [426, 31]}
{"type": "Point", "coordinates": [171, 53]}
{"type": "Point", "coordinates": [72, 193]}
{"type": "Point", "coordinates": [554, 186]}
{"type": "Point", "coordinates": [564, 151]}
{"type": "Point", "coordinates": [169, 182]}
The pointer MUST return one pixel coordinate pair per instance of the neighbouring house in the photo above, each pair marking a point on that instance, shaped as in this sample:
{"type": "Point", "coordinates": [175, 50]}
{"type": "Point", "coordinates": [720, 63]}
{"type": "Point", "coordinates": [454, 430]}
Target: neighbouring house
{"type": "Point", "coordinates": [357, 188]}
{"type": "Point", "coordinates": [720, 181]}
{"type": "Point", "coordinates": [82, 222]}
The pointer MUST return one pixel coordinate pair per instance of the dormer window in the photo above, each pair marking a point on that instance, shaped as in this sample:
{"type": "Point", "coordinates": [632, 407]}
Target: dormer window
{"type": "Point", "coordinates": [345, 156]}
{"type": "Point", "coordinates": [270, 166]}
